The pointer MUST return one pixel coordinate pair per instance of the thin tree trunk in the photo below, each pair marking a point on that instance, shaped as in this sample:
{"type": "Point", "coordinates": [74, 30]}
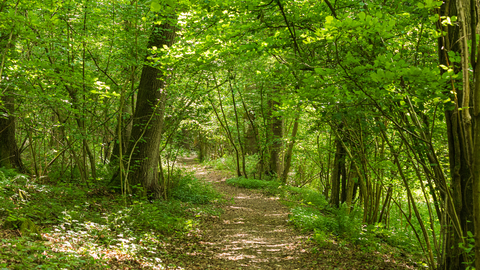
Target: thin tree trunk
{"type": "Point", "coordinates": [276, 127]}
{"type": "Point", "coordinates": [227, 132]}
{"type": "Point", "coordinates": [242, 150]}
{"type": "Point", "coordinates": [288, 155]}
{"type": "Point", "coordinates": [476, 163]}
{"type": "Point", "coordinates": [336, 173]}
{"type": "Point", "coordinates": [350, 187]}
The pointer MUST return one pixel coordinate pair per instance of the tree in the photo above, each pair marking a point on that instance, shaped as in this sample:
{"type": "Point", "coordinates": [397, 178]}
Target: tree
{"type": "Point", "coordinates": [146, 134]}
{"type": "Point", "coordinates": [9, 153]}
{"type": "Point", "coordinates": [463, 198]}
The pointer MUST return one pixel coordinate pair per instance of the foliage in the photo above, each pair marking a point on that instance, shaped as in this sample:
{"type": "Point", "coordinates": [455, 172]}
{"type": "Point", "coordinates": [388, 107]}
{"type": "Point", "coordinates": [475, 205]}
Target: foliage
{"type": "Point", "coordinates": [227, 162]}
{"type": "Point", "coordinates": [345, 225]}
{"type": "Point", "coordinates": [87, 228]}
{"type": "Point", "coordinates": [362, 81]}
{"type": "Point", "coordinates": [306, 196]}
{"type": "Point", "coordinates": [253, 183]}
{"type": "Point", "coordinates": [189, 189]}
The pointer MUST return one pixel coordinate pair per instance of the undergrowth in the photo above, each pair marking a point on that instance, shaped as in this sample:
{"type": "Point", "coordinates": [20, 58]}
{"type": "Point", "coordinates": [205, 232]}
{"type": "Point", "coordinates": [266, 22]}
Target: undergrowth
{"type": "Point", "coordinates": [252, 183]}
{"type": "Point", "coordinates": [74, 227]}
{"type": "Point", "coordinates": [227, 162]}
{"type": "Point", "coordinates": [189, 189]}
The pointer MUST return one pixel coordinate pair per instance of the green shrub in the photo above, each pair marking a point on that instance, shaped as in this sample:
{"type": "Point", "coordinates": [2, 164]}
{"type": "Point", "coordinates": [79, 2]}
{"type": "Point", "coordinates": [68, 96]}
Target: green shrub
{"type": "Point", "coordinates": [345, 225]}
{"type": "Point", "coordinates": [349, 225]}
{"type": "Point", "coordinates": [7, 173]}
{"type": "Point", "coordinates": [189, 189]}
{"type": "Point", "coordinates": [308, 219]}
{"type": "Point", "coordinates": [320, 237]}
{"type": "Point", "coordinates": [227, 162]}
{"type": "Point", "coordinates": [307, 196]}
{"type": "Point", "coordinates": [161, 216]}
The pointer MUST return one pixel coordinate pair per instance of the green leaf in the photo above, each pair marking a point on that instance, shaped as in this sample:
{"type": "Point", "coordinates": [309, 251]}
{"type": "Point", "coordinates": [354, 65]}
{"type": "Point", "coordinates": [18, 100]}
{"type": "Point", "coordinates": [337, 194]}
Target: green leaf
{"type": "Point", "coordinates": [329, 19]}
{"type": "Point", "coordinates": [391, 23]}
{"type": "Point", "coordinates": [380, 73]}
{"type": "Point", "coordinates": [444, 67]}
{"type": "Point", "coordinates": [155, 6]}
{"type": "Point", "coordinates": [361, 15]}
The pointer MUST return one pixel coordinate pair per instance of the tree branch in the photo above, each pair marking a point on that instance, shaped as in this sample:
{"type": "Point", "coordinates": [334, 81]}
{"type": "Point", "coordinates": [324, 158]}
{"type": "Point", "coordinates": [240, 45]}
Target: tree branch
{"type": "Point", "coordinates": [331, 8]}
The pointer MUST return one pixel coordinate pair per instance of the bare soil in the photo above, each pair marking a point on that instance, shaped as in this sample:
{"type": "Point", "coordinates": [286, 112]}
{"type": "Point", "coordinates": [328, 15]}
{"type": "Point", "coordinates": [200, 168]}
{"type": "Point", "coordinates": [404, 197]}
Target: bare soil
{"type": "Point", "coordinates": [253, 233]}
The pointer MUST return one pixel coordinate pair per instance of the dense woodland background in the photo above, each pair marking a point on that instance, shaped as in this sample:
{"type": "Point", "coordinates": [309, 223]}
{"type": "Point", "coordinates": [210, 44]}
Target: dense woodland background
{"type": "Point", "coordinates": [374, 104]}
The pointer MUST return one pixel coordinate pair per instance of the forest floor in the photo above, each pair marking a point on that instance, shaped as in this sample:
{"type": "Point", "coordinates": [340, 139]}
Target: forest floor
{"type": "Point", "coordinates": [74, 227]}
{"type": "Point", "coordinates": [253, 233]}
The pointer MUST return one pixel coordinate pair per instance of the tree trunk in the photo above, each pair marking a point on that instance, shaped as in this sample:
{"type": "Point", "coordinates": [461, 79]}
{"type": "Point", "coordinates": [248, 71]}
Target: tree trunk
{"type": "Point", "coordinates": [239, 137]}
{"type": "Point", "coordinates": [126, 127]}
{"type": "Point", "coordinates": [336, 173]}
{"type": "Point", "coordinates": [251, 141]}
{"type": "Point", "coordinates": [276, 127]}
{"type": "Point", "coordinates": [144, 144]}
{"type": "Point", "coordinates": [350, 195]}
{"type": "Point", "coordinates": [9, 154]}
{"type": "Point", "coordinates": [289, 154]}
{"type": "Point", "coordinates": [459, 200]}
{"type": "Point", "coordinates": [476, 162]}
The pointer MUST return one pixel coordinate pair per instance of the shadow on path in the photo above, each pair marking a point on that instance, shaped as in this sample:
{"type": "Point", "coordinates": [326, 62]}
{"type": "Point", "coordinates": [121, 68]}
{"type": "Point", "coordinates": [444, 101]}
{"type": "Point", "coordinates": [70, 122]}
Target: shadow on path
{"type": "Point", "coordinates": [253, 233]}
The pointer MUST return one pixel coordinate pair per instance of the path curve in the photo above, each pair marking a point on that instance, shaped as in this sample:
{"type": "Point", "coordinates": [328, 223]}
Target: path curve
{"type": "Point", "coordinates": [253, 233]}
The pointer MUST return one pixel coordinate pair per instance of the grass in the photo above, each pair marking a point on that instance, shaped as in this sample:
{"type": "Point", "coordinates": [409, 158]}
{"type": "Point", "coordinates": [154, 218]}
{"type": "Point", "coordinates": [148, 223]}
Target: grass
{"type": "Point", "coordinates": [253, 183]}
{"type": "Point", "coordinates": [74, 227]}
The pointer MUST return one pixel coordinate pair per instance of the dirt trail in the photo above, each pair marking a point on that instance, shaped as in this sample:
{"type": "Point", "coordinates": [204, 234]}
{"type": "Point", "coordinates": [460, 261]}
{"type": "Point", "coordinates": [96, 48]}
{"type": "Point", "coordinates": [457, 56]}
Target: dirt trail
{"type": "Point", "coordinates": [253, 233]}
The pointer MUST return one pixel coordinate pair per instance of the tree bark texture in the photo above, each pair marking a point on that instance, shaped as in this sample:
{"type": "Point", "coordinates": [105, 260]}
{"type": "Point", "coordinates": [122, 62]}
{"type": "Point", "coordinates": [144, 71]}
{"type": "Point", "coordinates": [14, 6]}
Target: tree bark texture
{"type": "Point", "coordinates": [459, 200]}
{"type": "Point", "coordinates": [144, 144]}
{"type": "Point", "coordinates": [9, 154]}
{"type": "Point", "coordinates": [338, 164]}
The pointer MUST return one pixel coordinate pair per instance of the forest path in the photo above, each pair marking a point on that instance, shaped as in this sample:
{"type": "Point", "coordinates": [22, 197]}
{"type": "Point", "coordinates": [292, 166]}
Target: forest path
{"type": "Point", "coordinates": [252, 233]}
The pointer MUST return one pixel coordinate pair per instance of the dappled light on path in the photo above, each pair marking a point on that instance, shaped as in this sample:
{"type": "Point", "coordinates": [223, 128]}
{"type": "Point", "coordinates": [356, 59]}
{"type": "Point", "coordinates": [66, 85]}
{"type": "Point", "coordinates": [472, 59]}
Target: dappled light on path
{"type": "Point", "coordinates": [253, 233]}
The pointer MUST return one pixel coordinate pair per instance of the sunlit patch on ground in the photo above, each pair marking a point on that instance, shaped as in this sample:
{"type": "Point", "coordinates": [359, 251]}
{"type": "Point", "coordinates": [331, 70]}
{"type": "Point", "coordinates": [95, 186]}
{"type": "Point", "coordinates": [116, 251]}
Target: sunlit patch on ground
{"type": "Point", "coordinates": [100, 243]}
{"type": "Point", "coordinates": [253, 233]}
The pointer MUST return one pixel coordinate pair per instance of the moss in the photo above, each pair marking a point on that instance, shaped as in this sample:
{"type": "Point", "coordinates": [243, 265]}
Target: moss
{"type": "Point", "coordinates": [26, 226]}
